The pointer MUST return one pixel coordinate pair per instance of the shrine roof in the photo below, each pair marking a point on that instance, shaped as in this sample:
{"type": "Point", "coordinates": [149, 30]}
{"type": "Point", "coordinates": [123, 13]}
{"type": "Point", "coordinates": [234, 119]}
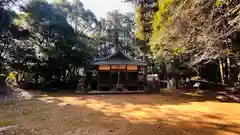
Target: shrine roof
{"type": "Point", "coordinates": [118, 58]}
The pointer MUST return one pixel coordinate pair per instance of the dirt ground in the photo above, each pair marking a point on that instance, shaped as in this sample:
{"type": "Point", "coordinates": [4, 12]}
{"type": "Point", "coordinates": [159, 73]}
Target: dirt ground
{"type": "Point", "coordinates": [132, 114]}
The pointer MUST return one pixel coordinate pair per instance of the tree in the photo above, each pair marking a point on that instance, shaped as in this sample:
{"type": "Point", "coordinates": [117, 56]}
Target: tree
{"type": "Point", "coordinates": [84, 22]}
{"type": "Point", "coordinates": [117, 31]}
{"type": "Point", "coordinates": [203, 40]}
{"type": "Point", "coordinates": [53, 49]}
{"type": "Point", "coordinates": [9, 32]}
{"type": "Point", "coordinates": [144, 16]}
{"type": "Point", "coordinates": [193, 32]}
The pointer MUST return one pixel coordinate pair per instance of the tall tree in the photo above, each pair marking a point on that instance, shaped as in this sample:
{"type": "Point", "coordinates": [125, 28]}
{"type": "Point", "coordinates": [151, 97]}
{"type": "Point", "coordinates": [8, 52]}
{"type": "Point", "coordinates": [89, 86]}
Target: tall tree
{"type": "Point", "coordinates": [144, 19]}
{"type": "Point", "coordinates": [179, 37]}
{"type": "Point", "coordinates": [56, 47]}
{"type": "Point", "coordinates": [118, 30]}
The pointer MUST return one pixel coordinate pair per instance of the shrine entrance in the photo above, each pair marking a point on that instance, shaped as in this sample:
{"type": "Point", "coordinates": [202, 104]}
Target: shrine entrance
{"type": "Point", "coordinates": [117, 72]}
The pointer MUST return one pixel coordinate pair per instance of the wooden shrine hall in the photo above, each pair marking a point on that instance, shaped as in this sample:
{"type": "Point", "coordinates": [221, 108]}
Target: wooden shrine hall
{"type": "Point", "coordinates": [117, 72]}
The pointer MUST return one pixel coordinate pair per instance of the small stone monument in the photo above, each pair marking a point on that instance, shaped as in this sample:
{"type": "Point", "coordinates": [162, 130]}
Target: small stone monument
{"type": "Point", "coordinates": [119, 87]}
{"type": "Point", "coordinates": [197, 85]}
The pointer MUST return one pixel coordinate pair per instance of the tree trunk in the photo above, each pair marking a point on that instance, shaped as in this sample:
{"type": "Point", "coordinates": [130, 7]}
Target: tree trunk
{"type": "Point", "coordinates": [238, 79]}
{"type": "Point", "coordinates": [36, 77]}
{"type": "Point", "coordinates": [144, 46]}
{"type": "Point", "coordinates": [229, 76]}
{"type": "Point", "coordinates": [177, 82]}
{"type": "Point", "coordinates": [18, 61]}
{"type": "Point", "coordinates": [17, 78]}
{"type": "Point", "coordinates": [221, 71]}
{"type": "Point", "coordinates": [145, 67]}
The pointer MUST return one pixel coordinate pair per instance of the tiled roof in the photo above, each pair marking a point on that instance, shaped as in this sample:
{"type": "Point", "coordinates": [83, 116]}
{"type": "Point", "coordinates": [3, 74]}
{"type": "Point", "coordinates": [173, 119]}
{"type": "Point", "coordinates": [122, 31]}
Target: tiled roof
{"type": "Point", "coordinates": [117, 58]}
{"type": "Point", "coordinates": [118, 62]}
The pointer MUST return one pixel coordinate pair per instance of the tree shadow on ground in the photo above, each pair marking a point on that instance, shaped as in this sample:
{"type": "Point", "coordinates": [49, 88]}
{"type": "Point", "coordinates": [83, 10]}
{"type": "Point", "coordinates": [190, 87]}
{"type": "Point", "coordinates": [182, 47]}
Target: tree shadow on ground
{"type": "Point", "coordinates": [121, 114]}
{"type": "Point", "coordinates": [171, 98]}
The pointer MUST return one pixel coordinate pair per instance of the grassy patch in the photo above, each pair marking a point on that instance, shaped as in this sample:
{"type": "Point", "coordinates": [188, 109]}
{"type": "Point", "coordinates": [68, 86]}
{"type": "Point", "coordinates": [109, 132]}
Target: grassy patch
{"type": "Point", "coordinates": [7, 122]}
{"type": "Point", "coordinates": [11, 103]}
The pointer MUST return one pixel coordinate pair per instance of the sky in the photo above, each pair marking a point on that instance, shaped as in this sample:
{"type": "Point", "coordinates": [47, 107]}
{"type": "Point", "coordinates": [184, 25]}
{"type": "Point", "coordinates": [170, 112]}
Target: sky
{"type": "Point", "coordinates": [101, 7]}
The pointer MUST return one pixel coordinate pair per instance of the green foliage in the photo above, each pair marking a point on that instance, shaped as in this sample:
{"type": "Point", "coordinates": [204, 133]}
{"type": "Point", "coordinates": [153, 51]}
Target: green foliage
{"type": "Point", "coordinates": [193, 31]}
{"type": "Point", "coordinates": [139, 27]}
{"type": "Point", "coordinates": [164, 40]}
{"type": "Point", "coordinates": [178, 50]}
{"type": "Point", "coordinates": [21, 19]}
{"type": "Point", "coordinates": [120, 31]}
{"type": "Point", "coordinates": [160, 15]}
{"type": "Point", "coordinates": [12, 76]}
{"type": "Point", "coordinates": [219, 3]}
{"type": "Point", "coordinates": [53, 49]}
{"type": "Point", "coordinates": [58, 1]}
{"type": "Point", "coordinates": [7, 122]}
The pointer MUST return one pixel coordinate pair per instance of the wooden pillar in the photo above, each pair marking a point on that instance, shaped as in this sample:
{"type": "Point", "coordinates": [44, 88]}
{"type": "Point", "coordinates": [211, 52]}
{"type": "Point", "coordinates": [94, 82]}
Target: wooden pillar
{"type": "Point", "coordinates": [138, 67]}
{"type": "Point", "coordinates": [109, 79]}
{"type": "Point", "coordinates": [118, 76]}
{"type": "Point", "coordinates": [126, 73]}
{"type": "Point", "coordinates": [97, 76]}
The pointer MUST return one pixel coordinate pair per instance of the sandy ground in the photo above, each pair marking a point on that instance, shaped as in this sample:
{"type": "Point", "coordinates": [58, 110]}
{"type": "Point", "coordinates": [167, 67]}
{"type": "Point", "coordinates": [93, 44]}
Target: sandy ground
{"type": "Point", "coordinates": [138, 114]}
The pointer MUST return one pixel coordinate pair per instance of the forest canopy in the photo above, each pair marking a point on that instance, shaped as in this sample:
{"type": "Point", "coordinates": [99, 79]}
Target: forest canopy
{"type": "Point", "coordinates": [192, 33]}
{"type": "Point", "coordinates": [52, 40]}
{"type": "Point", "coordinates": [47, 40]}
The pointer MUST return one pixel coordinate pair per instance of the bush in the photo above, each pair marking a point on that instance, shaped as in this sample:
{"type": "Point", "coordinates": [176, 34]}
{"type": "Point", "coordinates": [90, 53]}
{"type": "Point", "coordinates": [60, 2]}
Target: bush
{"type": "Point", "coordinates": [28, 85]}
{"type": "Point", "coordinates": [205, 85]}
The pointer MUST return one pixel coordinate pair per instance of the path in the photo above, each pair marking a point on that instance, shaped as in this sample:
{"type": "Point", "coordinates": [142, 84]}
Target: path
{"type": "Point", "coordinates": [2, 98]}
{"type": "Point", "coordinates": [159, 114]}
